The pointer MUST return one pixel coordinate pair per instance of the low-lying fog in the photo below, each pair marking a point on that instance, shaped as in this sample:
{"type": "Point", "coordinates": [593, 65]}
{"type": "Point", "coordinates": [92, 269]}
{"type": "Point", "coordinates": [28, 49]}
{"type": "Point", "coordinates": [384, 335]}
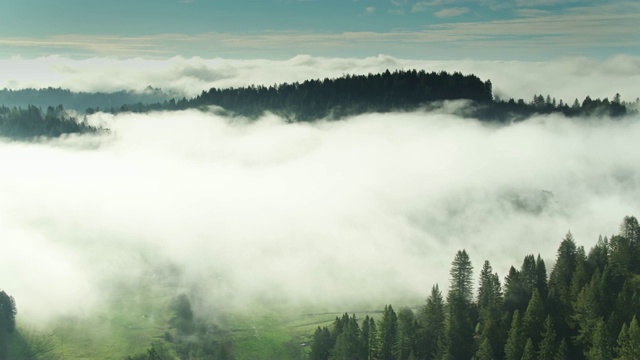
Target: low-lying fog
{"type": "Point", "coordinates": [370, 209]}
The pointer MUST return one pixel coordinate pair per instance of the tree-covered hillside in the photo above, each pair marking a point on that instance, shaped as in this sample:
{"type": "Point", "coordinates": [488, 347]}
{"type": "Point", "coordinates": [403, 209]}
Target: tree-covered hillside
{"type": "Point", "coordinates": [31, 122]}
{"type": "Point", "coordinates": [385, 92]}
{"type": "Point", "coordinates": [587, 308]}
{"type": "Point", "coordinates": [79, 101]}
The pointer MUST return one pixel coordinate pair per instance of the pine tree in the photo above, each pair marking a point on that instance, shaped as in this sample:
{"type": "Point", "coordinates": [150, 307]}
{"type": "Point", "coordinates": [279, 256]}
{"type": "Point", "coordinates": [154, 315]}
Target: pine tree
{"type": "Point", "coordinates": [514, 347]}
{"type": "Point", "coordinates": [629, 341]}
{"type": "Point", "coordinates": [348, 343]}
{"type": "Point", "coordinates": [406, 339]}
{"type": "Point", "coordinates": [459, 337]}
{"type": "Point", "coordinates": [529, 351]}
{"type": "Point", "coordinates": [601, 348]}
{"type": "Point", "coordinates": [548, 347]}
{"type": "Point", "coordinates": [433, 325]}
{"type": "Point", "coordinates": [563, 351]}
{"type": "Point", "coordinates": [321, 344]}
{"type": "Point", "coordinates": [485, 352]}
{"type": "Point", "coordinates": [490, 324]}
{"type": "Point", "coordinates": [534, 318]}
{"type": "Point", "coordinates": [388, 328]}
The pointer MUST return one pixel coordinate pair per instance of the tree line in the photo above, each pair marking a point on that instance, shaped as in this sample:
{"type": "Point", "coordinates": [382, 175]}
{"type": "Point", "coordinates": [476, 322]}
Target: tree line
{"type": "Point", "coordinates": [587, 308]}
{"type": "Point", "coordinates": [383, 92]}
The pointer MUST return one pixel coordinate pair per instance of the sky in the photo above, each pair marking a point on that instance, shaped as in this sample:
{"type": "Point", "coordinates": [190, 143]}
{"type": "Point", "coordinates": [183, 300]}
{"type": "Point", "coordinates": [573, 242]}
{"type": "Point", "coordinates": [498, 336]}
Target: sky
{"type": "Point", "coordinates": [280, 29]}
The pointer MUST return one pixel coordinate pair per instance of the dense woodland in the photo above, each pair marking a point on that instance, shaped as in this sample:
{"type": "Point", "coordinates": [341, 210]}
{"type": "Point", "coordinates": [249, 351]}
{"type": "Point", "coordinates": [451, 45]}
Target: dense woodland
{"type": "Point", "coordinates": [587, 308]}
{"type": "Point", "coordinates": [385, 92]}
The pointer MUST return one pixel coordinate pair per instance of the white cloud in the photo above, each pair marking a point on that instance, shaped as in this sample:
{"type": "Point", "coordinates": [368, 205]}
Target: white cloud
{"type": "Point", "coordinates": [451, 12]}
{"type": "Point", "coordinates": [369, 10]}
{"type": "Point", "coordinates": [371, 209]}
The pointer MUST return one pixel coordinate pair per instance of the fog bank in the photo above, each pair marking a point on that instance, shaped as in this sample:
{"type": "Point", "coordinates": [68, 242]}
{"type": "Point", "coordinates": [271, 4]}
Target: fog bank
{"type": "Point", "coordinates": [372, 208]}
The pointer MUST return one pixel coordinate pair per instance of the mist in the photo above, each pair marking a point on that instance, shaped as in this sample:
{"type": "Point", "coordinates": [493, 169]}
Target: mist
{"type": "Point", "coordinates": [370, 209]}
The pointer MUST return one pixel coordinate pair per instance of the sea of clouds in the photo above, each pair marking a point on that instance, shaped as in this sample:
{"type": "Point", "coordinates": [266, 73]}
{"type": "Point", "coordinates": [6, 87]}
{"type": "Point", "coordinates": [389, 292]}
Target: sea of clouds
{"type": "Point", "coordinates": [371, 209]}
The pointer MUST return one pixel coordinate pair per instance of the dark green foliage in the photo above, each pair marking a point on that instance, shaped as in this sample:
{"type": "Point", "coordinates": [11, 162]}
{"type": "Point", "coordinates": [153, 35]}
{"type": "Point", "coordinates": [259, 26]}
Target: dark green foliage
{"type": "Point", "coordinates": [529, 351]}
{"type": "Point", "coordinates": [433, 325]}
{"type": "Point", "coordinates": [490, 306]}
{"type": "Point", "coordinates": [601, 347]}
{"type": "Point", "coordinates": [182, 319]}
{"type": "Point", "coordinates": [321, 344]}
{"type": "Point", "coordinates": [628, 344]}
{"type": "Point", "coordinates": [7, 321]}
{"type": "Point", "coordinates": [514, 348]}
{"type": "Point", "coordinates": [485, 352]}
{"type": "Point", "coordinates": [548, 346]}
{"type": "Point", "coordinates": [348, 343]}
{"type": "Point", "coordinates": [460, 326]}
{"type": "Point", "coordinates": [533, 321]}
{"type": "Point", "coordinates": [406, 339]}
{"type": "Point", "coordinates": [388, 328]}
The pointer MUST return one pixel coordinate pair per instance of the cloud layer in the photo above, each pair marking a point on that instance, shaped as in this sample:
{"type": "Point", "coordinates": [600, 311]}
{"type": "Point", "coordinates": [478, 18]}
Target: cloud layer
{"type": "Point", "coordinates": [371, 209]}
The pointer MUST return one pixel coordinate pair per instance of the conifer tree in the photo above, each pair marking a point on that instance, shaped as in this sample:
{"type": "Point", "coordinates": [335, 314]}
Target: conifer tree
{"type": "Point", "coordinates": [388, 329]}
{"type": "Point", "coordinates": [548, 346]}
{"type": "Point", "coordinates": [629, 341]}
{"type": "Point", "coordinates": [433, 332]}
{"type": "Point", "coordinates": [600, 344]}
{"type": "Point", "coordinates": [529, 352]}
{"type": "Point", "coordinates": [514, 347]}
{"type": "Point", "coordinates": [459, 336]}
{"type": "Point", "coordinates": [563, 351]}
{"type": "Point", "coordinates": [534, 318]}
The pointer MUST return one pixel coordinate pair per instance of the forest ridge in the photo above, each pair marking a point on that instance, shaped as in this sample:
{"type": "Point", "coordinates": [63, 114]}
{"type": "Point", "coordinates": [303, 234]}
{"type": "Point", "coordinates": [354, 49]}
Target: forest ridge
{"type": "Point", "coordinates": [22, 115]}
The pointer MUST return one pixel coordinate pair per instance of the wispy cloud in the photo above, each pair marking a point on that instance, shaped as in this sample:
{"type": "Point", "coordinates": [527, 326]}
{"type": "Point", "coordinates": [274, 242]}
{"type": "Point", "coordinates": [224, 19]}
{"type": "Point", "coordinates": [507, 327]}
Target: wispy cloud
{"type": "Point", "coordinates": [606, 29]}
{"type": "Point", "coordinates": [532, 12]}
{"type": "Point", "coordinates": [369, 10]}
{"type": "Point", "coordinates": [421, 6]}
{"type": "Point", "coordinates": [451, 12]}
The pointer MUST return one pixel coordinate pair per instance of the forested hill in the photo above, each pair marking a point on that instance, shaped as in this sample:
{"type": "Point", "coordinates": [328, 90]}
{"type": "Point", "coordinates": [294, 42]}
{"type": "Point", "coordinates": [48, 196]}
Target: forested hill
{"type": "Point", "coordinates": [79, 100]}
{"type": "Point", "coordinates": [385, 92]}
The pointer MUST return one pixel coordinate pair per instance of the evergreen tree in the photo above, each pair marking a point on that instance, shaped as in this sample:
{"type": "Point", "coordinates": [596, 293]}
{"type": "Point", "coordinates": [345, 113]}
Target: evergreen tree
{"type": "Point", "coordinates": [485, 352]}
{"type": "Point", "coordinates": [7, 321]}
{"type": "Point", "coordinates": [388, 328]}
{"type": "Point", "coordinates": [459, 337]}
{"type": "Point", "coordinates": [534, 318]}
{"type": "Point", "coordinates": [433, 325]}
{"type": "Point", "coordinates": [629, 341]}
{"type": "Point", "coordinates": [601, 348]}
{"type": "Point", "coordinates": [548, 347]}
{"type": "Point", "coordinates": [529, 352]}
{"type": "Point", "coordinates": [514, 348]}
{"type": "Point", "coordinates": [563, 351]}
{"type": "Point", "coordinates": [490, 324]}
{"type": "Point", "coordinates": [321, 344]}
{"type": "Point", "coordinates": [406, 340]}
{"type": "Point", "coordinates": [560, 300]}
{"type": "Point", "coordinates": [348, 344]}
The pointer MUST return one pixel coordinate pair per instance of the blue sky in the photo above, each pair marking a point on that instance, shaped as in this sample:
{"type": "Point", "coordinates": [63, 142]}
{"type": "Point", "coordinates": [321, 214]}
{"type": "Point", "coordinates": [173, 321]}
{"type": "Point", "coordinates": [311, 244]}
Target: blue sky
{"type": "Point", "coordinates": [435, 29]}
